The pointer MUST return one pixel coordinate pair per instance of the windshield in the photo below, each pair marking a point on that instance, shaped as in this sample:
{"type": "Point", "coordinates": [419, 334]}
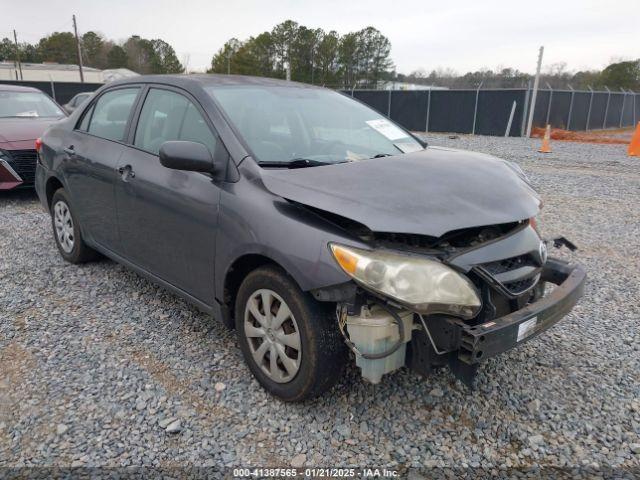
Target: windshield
{"type": "Point", "coordinates": [285, 124]}
{"type": "Point", "coordinates": [27, 104]}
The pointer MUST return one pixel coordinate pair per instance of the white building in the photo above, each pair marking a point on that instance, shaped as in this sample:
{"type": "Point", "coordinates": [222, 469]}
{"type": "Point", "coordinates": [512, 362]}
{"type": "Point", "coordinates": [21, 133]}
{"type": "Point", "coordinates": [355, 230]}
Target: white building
{"type": "Point", "coordinates": [57, 72]}
{"type": "Point", "coordinates": [407, 86]}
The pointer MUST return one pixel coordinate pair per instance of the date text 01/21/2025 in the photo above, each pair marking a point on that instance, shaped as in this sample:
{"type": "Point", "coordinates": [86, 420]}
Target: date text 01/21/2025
{"type": "Point", "coordinates": [315, 473]}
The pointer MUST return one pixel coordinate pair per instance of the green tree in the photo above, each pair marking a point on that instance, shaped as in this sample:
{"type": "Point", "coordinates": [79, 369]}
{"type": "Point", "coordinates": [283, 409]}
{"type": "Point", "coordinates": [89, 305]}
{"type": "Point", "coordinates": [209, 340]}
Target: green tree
{"type": "Point", "coordinates": [584, 79]}
{"type": "Point", "coordinates": [59, 47]}
{"type": "Point", "coordinates": [283, 36]}
{"type": "Point", "coordinates": [253, 57]}
{"type": "Point", "coordinates": [164, 59]}
{"type": "Point", "coordinates": [117, 57]}
{"type": "Point", "coordinates": [348, 59]}
{"type": "Point", "coordinates": [30, 53]}
{"type": "Point", "coordinates": [223, 61]}
{"type": "Point", "coordinates": [621, 75]}
{"type": "Point", "coordinates": [304, 49]}
{"type": "Point", "coordinates": [327, 58]}
{"type": "Point", "coordinates": [7, 50]}
{"type": "Point", "coordinates": [373, 59]}
{"type": "Point", "coordinates": [94, 53]}
{"type": "Point", "coordinates": [314, 56]}
{"type": "Point", "coordinates": [140, 54]}
{"type": "Point", "coordinates": [256, 56]}
{"type": "Point", "coordinates": [151, 56]}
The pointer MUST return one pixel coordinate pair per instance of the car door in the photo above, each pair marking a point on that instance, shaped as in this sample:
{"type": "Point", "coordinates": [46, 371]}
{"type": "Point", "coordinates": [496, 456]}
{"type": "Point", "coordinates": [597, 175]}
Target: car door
{"type": "Point", "coordinates": [92, 153]}
{"type": "Point", "coordinates": [168, 218]}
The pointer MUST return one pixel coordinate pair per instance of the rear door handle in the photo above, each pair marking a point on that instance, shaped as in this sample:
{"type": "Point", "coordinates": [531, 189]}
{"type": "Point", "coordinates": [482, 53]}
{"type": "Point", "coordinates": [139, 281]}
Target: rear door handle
{"type": "Point", "coordinates": [69, 150]}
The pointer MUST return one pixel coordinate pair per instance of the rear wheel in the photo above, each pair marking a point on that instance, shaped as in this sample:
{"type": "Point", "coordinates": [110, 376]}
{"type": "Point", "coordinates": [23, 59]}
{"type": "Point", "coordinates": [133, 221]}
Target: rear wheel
{"type": "Point", "coordinates": [290, 342]}
{"type": "Point", "coordinates": [66, 231]}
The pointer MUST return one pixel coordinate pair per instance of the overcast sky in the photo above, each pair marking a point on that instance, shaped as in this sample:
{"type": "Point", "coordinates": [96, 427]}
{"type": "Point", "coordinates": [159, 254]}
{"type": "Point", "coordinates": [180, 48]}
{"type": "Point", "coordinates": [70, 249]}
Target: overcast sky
{"type": "Point", "coordinates": [462, 34]}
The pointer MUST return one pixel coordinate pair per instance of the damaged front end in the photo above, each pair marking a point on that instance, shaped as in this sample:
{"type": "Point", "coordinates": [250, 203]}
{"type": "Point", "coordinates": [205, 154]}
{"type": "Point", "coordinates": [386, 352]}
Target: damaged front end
{"type": "Point", "coordinates": [454, 301]}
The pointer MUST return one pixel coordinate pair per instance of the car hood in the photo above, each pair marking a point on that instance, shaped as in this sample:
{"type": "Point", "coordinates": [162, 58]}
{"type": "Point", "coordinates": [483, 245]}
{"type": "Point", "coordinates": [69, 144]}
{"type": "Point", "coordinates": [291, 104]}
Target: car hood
{"type": "Point", "coordinates": [430, 192]}
{"type": "Point", "coordinates": [24, 128]}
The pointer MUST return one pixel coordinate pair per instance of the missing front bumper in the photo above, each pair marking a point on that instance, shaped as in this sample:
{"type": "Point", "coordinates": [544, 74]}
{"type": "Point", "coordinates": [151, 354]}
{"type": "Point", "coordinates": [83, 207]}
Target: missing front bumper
{"type": "Point", "coordinates": [466, 345]}
{"type": "Point", "coordinates": [479, 342]}
{"type": "Point", "coordinates": [440, 340]}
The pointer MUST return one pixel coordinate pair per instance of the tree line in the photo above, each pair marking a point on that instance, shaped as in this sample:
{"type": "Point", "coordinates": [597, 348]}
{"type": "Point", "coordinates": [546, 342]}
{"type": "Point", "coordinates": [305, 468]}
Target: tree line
{"type": "Point", "coordinates": [358, 59]}
{"type": "Point", "coordinates": [617, 75]}
{"type": "Point", "coordinates": [138, 54]}
{"type": "Point", "coordinates": [311, 55]}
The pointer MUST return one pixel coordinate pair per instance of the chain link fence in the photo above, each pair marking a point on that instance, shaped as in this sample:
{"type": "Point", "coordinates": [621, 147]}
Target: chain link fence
{"type": "Point", "coordinates": [503, 111]}
{"type": "Point", "coordinates": [481, 111]}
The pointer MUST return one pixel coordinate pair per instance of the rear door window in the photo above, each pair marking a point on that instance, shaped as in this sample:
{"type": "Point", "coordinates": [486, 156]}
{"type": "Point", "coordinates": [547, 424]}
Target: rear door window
{"type": "Point", "coordinates": [167, 115]}
{"type": "Point", "coordinates": [111, 113]}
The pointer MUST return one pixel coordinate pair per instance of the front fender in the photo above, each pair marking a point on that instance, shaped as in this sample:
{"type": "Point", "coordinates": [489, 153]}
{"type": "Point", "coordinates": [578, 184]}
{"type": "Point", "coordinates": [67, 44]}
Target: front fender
{"type": "Point", "coordinates": [253, 221]}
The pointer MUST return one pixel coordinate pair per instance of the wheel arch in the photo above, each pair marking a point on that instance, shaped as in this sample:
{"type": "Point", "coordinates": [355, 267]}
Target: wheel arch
{"type": "Point", "coordinates": [236, 273]}
{"type": "Point", "coordinates": [53, 184]}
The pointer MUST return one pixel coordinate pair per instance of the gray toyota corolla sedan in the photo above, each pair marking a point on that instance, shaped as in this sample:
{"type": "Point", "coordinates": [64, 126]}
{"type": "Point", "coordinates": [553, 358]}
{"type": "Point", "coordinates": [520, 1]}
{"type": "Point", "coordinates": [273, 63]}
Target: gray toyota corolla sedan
{"type": "Point", "coordinates": [319, 229]}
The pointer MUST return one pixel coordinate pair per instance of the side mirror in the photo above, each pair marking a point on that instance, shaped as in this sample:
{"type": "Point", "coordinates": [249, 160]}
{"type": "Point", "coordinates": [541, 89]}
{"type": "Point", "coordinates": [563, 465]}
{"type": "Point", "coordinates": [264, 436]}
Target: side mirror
{"type": "Point", "coordinates": [190, 156]}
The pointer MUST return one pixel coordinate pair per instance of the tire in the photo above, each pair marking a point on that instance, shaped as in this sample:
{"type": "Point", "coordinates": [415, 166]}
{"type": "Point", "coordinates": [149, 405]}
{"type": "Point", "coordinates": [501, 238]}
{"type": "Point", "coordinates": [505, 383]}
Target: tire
{"type": "Point", "coordinates": [321, 353]}
{"type": "Point", "coordinates": [66, 231]}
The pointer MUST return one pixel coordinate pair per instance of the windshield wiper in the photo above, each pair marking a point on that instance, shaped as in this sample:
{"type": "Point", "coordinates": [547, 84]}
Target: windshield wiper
{"type": "Point", "coordinates": [380, 155]}
{"type": "Point", "coordinates": [296, 163]}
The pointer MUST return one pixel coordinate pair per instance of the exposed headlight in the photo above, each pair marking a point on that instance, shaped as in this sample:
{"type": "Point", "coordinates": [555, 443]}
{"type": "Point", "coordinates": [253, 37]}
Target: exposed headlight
{"type": "Point", "coordinates": [425, 286]}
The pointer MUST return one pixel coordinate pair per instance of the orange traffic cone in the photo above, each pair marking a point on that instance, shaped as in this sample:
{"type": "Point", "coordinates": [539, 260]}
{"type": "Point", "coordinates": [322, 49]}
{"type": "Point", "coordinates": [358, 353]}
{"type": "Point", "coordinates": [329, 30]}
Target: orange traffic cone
{"type": "Point", "coordinates": [546, 146]}
{"type": "Point", "coordinates": [634, 146]}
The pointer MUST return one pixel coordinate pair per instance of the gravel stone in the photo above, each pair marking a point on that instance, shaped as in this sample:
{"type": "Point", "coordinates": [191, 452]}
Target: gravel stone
{"type": "Point", "coordinates": [436, 392]}
{"type": "Point", "coordinates": [83, 346]}
{"type": "Point", "coordinates": [174, 427]}
{"type": "Point", "coordinates": [535, 440]}
{"type": "Point", "coordinates": [166, 421]}
{"type": "Point", "coordinates": [299, 461]}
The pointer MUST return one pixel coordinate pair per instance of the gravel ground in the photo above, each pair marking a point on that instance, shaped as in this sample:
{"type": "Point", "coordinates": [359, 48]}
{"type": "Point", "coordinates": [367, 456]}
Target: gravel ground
{"type": "Point", "coordinates": [96, 362]}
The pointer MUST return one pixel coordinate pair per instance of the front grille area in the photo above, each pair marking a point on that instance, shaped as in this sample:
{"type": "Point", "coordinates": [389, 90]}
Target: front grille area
{"type": "Point", "coordinates": [508, 264]}
{"type": "Point", "coordinates": [521, 286]}
{"type": "Point", "coordinates": [514, 275]}
{"type": "Point", "coordinates": [24, 164]}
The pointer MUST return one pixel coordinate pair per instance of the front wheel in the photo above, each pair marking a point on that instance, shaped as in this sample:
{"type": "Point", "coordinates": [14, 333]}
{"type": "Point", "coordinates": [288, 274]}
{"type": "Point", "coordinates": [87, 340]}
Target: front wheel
{"type": "Point", "coordinates": [66, 231]}
{"type": "Point", "coordinates": [290, 342]}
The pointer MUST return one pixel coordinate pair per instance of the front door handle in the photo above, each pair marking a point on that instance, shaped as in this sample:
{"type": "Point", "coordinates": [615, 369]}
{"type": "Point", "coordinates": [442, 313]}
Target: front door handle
{"type": "Point", "coordinates": [127, 172]}
{"type": "Point", "coordinates": [69, 150]}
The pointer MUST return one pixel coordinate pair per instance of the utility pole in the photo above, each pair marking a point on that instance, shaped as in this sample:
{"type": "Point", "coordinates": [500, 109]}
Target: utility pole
{"type": "Point", "coordinates": [75, 29]}
{"type": "Point", "coordinates": [534, 94]}
{"type": "Point", "coordinates": [15, 39]}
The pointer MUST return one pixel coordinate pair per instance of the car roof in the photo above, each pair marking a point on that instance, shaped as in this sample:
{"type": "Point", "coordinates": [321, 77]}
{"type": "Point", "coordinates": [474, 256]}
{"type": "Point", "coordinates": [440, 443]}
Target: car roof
{"type": "Point", "coordinates": [17, 88]}
{"type": "Point", "coordinates": [212, 80]}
